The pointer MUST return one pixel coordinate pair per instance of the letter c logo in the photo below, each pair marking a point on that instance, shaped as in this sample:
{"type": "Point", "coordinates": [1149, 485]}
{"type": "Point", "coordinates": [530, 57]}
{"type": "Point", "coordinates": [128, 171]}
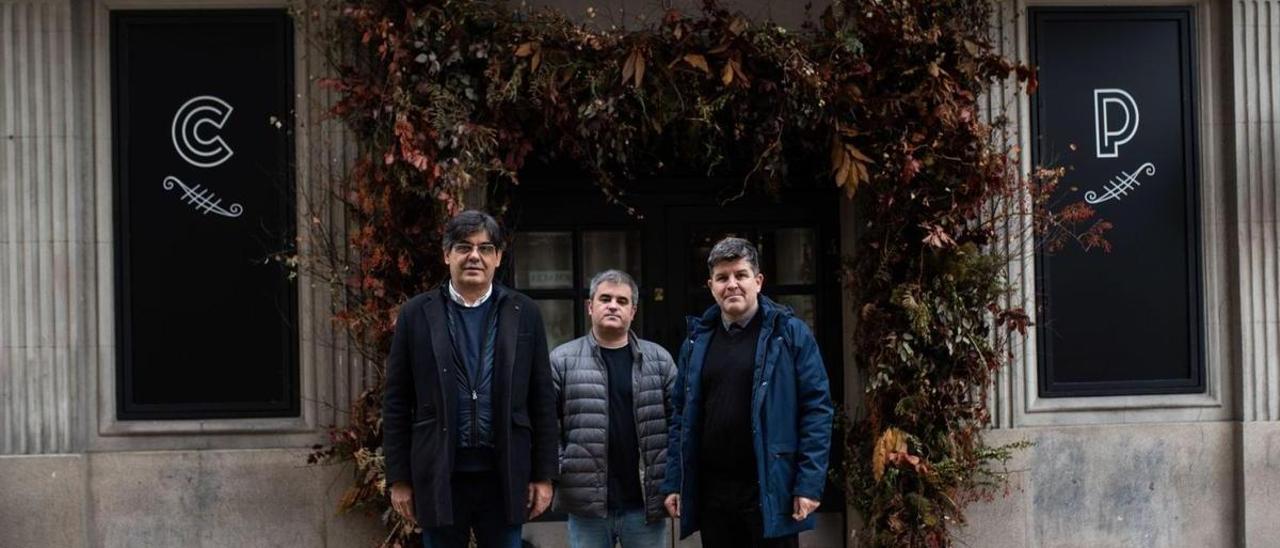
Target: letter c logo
{"type": "Point", "coordinates": [1109, 140]}
{"type": "Point", "coordinates": [200, 147]}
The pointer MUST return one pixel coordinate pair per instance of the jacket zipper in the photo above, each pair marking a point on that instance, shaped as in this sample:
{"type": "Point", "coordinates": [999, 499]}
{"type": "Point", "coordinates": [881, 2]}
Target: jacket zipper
{"type": "Point", "coordinates": [635, 417]}
{"type": "Point", "coordinates": [475, 420]}
{"type": "Point", "coordinates": [599, 356]}
{"type": "Point", "coordinates": [683, 430]}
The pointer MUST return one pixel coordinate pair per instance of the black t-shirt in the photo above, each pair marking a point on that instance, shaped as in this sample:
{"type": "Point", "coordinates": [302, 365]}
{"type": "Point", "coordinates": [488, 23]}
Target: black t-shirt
{"type": "Point", "coordinates": [727, 452]}
{"type": "Point", "coordinates": [624, 446]}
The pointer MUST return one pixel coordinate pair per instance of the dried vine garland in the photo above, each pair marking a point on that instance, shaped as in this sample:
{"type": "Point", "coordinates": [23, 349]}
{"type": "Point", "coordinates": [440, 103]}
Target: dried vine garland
{"type": "Point", "coordinates": [445, 95]}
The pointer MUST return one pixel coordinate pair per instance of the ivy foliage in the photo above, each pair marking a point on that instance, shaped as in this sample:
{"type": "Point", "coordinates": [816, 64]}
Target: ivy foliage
{"type": "Point", "coordinates": [882, 95]}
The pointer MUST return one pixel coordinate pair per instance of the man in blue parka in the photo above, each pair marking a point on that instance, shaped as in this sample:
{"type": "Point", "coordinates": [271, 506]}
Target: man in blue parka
{"type": "Point", "coordinates": [747, 455]}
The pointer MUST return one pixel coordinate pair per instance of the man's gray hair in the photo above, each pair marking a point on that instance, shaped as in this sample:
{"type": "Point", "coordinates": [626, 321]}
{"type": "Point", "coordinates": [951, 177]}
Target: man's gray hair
{"type": "Point", "coordinates": [617, 277]}
{"type": "Point", "coordinates": [732, 249]}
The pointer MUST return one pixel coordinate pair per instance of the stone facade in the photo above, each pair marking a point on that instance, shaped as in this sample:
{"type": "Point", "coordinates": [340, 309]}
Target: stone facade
{"type": "Point", "coordinates": [1192, 470]}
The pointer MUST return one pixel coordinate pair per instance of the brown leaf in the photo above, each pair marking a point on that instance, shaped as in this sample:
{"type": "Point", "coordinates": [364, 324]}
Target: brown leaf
{"type": "Point", "coordinates": [629, 67]}
{"type": "Point", "coordinates": [842, 174]}
{"type": "Point", "coordinates": [855, 178]}
{"type": "Point", "coordinates": [349, 498]}
{"type": "Point", "coordinates": [536, 61]}
{"type": "Point", "coordinates": [837, 153]}
{"type": "Point", "coordinates": [858, 154]}
{"type": "Point", "coordinates": [526, 49]}
{"type": "Point", "coordinates": [738, 25]}
{"type": "Point", "coordinates": [891, 440]}
{"type": "Point", "coordinates": [726, 75]}
{"type": "Point", "coordinates": [739, 74]}
{"type": "Point", "coordinates": [697, 61]}
{"type": "Point", "coordinates": [640, 62]}
{"type": "Point", "coordinates": [937, 237]}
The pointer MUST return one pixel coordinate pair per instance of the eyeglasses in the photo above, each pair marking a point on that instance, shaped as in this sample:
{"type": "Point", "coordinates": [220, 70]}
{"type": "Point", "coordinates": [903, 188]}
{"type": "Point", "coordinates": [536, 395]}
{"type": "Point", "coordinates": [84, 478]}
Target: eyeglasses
{"type": "Point", "coordinates": [465, 248]}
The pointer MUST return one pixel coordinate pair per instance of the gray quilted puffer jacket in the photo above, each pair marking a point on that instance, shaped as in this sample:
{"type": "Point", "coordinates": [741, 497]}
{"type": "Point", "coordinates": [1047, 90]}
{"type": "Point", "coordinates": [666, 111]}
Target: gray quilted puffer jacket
{"type": "Point", "coordinates": [582, 389]}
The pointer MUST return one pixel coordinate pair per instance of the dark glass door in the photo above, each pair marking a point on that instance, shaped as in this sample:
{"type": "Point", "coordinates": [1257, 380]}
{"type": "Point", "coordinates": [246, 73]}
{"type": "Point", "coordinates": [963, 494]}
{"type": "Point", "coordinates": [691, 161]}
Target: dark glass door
{"type": "Point", "coordinates": [563, 235]}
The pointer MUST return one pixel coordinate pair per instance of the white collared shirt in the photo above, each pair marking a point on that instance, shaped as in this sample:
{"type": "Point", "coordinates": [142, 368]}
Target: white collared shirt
{"type": "Point", "coordinates": [457, 297]}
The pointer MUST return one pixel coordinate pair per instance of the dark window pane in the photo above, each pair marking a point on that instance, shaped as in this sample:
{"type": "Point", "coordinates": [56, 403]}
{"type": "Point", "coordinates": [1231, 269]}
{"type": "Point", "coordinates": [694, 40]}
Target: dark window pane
{"type": "Point", "coordinates": [706, 238]}
{"type": "Point", "coordinates": [557, 315]}
{"type": "Point", "coordinates": [603, 250]}
{"type": "Point", "coordinates": [205, 194]}
{"type": "Point", "coordinates": [544, 260]}
{"type": "Point", "coordinates": [804, 306]}
{"type": "Point", "coordinates": [795, 255]}
{"type": "Point", "coordinates": [1129, 321]}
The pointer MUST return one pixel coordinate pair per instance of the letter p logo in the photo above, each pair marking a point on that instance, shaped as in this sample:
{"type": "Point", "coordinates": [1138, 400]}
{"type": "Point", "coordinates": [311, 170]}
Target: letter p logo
{"type": "Point", "coordinates": [1110, 106]}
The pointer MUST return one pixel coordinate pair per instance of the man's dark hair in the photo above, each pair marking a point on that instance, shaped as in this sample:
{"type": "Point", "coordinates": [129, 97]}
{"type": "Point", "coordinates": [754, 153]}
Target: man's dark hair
{"type": "Point", "coordinates": [732, 249]}
{"type": "Point", "coordinates": [470, 222]}
{"type": "Point", "coordinates": [618, 277]}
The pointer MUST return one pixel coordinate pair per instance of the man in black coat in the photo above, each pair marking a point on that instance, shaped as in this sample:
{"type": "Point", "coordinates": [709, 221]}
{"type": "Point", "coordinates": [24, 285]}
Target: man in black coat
{"type": "Point", "coordinates": [468, 414]}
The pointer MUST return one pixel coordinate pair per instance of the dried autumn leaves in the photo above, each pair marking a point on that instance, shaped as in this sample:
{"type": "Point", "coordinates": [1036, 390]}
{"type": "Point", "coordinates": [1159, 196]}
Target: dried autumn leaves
{"type": "Point", "coordinates": [532, 50]}
{"type": "Point", "coordinates": [848, 164]}
{"type": "Point", "coordinates": [891, 450]}
{"type": "Point", "coordinates": [727, 64]}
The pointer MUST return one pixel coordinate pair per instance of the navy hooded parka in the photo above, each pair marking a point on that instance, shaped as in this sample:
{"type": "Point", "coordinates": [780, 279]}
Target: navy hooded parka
{"type": "Point", "coordinates": [791, 417]}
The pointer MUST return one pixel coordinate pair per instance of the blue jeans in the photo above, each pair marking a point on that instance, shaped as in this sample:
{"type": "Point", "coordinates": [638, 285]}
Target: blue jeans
{"type": "Point", "coordinates": [477, 508]}
{"type": "Point", "coordinates": [622, 526]}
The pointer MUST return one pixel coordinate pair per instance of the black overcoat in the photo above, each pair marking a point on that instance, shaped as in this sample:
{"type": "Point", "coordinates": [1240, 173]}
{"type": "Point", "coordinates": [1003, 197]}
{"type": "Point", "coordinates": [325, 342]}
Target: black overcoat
{"type": "Point", "coordinates": [418, 424]}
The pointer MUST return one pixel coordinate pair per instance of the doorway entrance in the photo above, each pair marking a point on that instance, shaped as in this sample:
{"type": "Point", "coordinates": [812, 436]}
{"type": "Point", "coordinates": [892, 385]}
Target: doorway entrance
{"type": "Point", "coordinates": [561, 238]}
{"type": "Point", "coordinates": [563, 234]}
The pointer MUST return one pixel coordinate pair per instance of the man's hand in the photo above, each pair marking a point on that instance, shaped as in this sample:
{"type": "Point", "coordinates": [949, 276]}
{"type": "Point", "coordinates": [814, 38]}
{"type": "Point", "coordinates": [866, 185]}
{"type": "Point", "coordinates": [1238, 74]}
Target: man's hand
{"type": "Point", "coordinates": [673, 505]}
{"type": "Point", "coordinates": [539, 498]}
{"type": "Point", "coordinates": [402, 501]}
{"type": "Point", "coordinates": [803, 507]}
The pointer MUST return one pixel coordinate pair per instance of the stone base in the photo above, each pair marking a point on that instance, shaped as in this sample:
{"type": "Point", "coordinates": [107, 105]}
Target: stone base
{"type": "Point", "coordinates": [1192, 484]}
{"type": "Point", "coordinates": [177, 498]}
{"type": "Point", "coordinates": [1122, 485]}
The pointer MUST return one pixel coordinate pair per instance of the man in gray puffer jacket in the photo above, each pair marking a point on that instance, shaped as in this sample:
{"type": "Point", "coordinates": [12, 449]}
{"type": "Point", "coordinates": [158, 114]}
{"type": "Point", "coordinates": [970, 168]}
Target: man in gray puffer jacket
{"type": "Point", "coordinates": [613, 392]}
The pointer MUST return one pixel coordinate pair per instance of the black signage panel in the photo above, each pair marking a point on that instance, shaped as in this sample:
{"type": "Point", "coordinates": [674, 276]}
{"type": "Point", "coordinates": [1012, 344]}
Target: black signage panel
{"type": "Point", "coordinates": [207, 322]}
{"type": "Point", "coordinates": [1116, 104]}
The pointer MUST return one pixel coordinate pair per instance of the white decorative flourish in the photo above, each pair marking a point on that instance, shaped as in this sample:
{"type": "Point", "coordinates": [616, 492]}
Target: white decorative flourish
{"type": "Point", "coordinates": [191, 116]}
{"type": "Point", "coordinates": [1120, 185]}
{"type": "Point", "coordinates": [202, 198]}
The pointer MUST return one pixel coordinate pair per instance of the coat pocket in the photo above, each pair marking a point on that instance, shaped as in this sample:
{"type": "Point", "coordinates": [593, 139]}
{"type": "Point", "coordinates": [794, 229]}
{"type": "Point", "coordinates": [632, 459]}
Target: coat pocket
{"type": "Point", "coordinates": [521, 448]}
{"type": "Point", "coordinates": [427, 447]}
{"type": "Point", "coordinates": [521, 420]}
{"type": "Point", "coordinates": [782, 476]}
{"type": "Point", "coordinates": [425, 413]}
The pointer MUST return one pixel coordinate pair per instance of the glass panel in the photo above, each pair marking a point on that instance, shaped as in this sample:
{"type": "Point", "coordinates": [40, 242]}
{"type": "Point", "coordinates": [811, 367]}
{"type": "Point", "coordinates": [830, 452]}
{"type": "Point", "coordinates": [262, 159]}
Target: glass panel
{"type": "Point", "coordinates": [617, 249]}
{"type": "Point", "coordinates": [544, 260]}
{"type": "Point", "coordinates": [805, 307]}
{"type": "Point", "coordinates": [795, 251]}
{"type": "Point", "coordinates": [701, 241]}
{"type": "Point", "coordinates": [557, 315]}
{"type": "Point", "coordinates": [614, 249]}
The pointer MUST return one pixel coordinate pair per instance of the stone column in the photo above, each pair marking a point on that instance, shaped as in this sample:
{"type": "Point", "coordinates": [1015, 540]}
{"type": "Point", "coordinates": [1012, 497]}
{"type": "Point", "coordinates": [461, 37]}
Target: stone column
{"type": "Point", "coordinates": [48, 260]}
{"type": "Point", "coordinates": [1256, 68]}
